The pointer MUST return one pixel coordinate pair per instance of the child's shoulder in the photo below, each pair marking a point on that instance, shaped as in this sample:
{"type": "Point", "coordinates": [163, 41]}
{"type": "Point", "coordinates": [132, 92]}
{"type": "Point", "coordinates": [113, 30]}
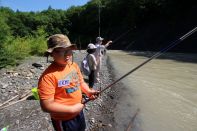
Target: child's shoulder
{"type": "Point", "coordinates": [75, 64]}
{"type": "Point", "coordinates": [49, 70]}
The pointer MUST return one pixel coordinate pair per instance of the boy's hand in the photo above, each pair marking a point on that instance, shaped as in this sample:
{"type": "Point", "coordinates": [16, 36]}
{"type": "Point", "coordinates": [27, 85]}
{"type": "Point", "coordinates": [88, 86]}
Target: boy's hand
{"type": "Point", "coordinates": [77, 108]}
{"type": "Point", "coordinates": [93, 94]}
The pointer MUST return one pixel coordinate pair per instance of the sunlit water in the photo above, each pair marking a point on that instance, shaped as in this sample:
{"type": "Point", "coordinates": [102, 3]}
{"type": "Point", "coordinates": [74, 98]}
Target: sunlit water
{"type": "Point", "coordinates": [165, 91]}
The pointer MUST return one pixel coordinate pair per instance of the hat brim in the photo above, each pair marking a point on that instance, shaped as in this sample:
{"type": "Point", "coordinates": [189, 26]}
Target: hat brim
{"type": "Point", "coordinates": [91, 48]}
{"type": "Point", "coordinates": [71, 47]}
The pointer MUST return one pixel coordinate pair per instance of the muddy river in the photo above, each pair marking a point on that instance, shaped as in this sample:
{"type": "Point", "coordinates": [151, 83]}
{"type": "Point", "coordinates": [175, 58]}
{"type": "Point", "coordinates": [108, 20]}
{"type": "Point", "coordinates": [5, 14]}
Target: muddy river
{"type": "Point", "coordinates": [165, 91]}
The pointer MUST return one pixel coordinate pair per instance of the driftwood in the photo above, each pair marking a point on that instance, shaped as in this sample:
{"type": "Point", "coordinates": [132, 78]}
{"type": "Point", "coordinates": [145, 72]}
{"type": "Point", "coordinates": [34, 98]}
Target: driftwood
{"type": "Point", "coordinates": [8, 100]}
{"type": "Point", "coordinates": [25, 94]}
{"type": "Point", "coordinates": [22, 98]}
{"type": "Point", "coordinates": [132, 120]}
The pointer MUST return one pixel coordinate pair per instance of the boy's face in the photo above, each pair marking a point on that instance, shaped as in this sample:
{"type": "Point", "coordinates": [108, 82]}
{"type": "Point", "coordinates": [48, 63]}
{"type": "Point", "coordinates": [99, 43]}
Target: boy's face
{"type": "Point", "coordinates": [62, 56]}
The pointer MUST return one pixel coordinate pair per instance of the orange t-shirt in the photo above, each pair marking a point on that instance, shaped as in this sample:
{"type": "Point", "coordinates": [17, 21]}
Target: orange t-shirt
{"type": "Point", "coordinates": [63, 84]}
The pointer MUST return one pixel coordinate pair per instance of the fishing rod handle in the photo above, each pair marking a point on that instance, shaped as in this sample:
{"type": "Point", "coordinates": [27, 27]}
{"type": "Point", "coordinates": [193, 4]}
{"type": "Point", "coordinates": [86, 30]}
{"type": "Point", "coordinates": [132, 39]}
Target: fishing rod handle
{"type": "Point", "coordinates": [86, 101]}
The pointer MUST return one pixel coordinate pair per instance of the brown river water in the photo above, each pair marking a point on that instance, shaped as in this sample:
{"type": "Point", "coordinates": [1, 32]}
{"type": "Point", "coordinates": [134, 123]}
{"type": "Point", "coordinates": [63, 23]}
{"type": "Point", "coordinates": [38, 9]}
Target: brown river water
{"type": "Point", "coordinates": [165, 91]}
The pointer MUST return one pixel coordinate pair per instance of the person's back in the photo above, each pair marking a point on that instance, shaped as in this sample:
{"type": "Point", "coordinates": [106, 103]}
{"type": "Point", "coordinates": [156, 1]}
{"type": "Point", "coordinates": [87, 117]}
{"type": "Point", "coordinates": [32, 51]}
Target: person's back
{"type": "Point", "coordinates": [92, 63]}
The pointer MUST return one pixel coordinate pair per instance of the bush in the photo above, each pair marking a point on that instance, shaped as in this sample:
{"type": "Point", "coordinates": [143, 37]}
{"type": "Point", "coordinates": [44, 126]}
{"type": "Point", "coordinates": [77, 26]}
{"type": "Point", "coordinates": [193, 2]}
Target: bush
{"type": "Point", "coordinates": [16, 49]}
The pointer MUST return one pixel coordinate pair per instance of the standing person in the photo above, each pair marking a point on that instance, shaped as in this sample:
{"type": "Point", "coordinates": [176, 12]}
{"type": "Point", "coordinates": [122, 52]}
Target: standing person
{"type": "Point", "coordinates": [92, 63]}
{"type": "Point", "coordinates": [98, 54]}
{"type": "Point", "coordinates": [61, 85]}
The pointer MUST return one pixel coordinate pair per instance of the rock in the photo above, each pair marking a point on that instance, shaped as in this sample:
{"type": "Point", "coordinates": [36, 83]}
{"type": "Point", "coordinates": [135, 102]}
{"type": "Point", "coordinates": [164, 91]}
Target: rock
{"type": "Point", "coordinates": [2, 90]}
{"type": "Point", "coordinates": [87, 108]}
{"type": "Point", "coordinates": [17, 122]}
{"type": "Point", "coordinates": [29, 75]}
{"type": "Point", "coordinates": [92, 121]}
{"type": "Point", "coordinates": [111, 97]}
{"type": "Point", "coordinates": [41, 68]}
{"type": "Point", "coordinates": [4, 85]}
{"type": "Point", "coordinates": [32, 71]}
{"type": "Point", "coordinates": [10, 83]}
{"type": "Point", "coordinates": [10, 72]}
{"type": "Point", "coordinates": [15, 74]}
{"type": "Point", "coordinates": [8, 76]}
{"type": "Point", "coordinates": [109, 125]}
{"type": "Point", "coordinates": [28, 78]}
{"type": "Point", "coordinates": [37, 65]}
{"type": "Point", "coordinates": [100, 104]}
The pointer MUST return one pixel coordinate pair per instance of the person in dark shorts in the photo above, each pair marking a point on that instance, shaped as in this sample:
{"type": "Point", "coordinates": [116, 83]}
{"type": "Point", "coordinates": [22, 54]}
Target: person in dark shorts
{"type": "Point", "coordinates": [61, 85]}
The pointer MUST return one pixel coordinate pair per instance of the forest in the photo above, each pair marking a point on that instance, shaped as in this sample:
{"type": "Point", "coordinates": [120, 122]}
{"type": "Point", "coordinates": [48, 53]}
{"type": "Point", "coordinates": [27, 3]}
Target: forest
{"type": "Point", "coordinates": [144, 25]}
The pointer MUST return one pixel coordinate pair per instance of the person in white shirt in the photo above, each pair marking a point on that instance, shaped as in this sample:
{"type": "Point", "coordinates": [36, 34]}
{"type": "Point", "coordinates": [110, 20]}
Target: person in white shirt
{"type": "Point", "coordinates": [98, 55]}
{"type": "Point", "coordinates": [92, 63]}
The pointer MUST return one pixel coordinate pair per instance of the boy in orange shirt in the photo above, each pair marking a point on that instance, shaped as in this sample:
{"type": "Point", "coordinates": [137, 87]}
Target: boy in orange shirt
{"type": "Point", "coordinates": [61, 85]}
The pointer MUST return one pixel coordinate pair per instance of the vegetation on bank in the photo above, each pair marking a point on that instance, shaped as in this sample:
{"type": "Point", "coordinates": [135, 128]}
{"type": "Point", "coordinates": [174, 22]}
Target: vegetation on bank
{"type": "Point", "coordinates": [152, 21]}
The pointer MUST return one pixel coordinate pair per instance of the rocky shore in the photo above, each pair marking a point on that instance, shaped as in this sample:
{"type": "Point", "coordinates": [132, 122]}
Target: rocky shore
{"type": "Point", "coordinates": [27, 115]}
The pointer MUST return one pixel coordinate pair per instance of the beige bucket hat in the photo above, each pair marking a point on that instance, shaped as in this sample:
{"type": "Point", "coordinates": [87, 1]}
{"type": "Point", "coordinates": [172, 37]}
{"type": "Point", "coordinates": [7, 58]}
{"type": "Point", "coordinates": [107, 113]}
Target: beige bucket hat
{"type": "Point", "coordinates": [59, 41]}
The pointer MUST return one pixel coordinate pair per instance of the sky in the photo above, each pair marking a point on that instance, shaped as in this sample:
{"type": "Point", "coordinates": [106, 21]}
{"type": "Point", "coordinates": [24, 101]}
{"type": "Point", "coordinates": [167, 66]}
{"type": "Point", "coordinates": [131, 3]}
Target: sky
{"type": "Point", "coordinates": [39, 5]}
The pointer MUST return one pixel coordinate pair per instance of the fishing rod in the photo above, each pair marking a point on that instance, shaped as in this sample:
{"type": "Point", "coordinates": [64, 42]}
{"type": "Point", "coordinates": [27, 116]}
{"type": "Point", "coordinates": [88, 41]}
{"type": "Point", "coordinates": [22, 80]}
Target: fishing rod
{"type": "Point", "coordinates": [170, 46]}
{"type": "Point", "coordinates": [123, 34]}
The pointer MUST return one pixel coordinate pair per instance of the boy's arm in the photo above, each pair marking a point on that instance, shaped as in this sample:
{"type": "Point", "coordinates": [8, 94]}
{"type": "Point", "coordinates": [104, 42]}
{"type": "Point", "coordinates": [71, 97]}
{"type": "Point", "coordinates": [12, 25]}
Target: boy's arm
{"type": "Point", "coordinates": [46, 90]}
{"type": "Point", "coordinates": [85, 89]}
{"type": "Point", "coordinates": [91, 93]}
{"type": "Point", "coordinates": [51, 106]}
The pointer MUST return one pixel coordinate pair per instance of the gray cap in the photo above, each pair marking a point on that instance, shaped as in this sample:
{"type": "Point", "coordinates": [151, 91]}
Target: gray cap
{"type": "Point", "coordinates": [99, 39]}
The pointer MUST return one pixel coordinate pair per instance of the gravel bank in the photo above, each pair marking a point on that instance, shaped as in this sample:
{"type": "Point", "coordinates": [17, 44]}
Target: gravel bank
{"type": "Point", "coordinates": [27, 115]}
